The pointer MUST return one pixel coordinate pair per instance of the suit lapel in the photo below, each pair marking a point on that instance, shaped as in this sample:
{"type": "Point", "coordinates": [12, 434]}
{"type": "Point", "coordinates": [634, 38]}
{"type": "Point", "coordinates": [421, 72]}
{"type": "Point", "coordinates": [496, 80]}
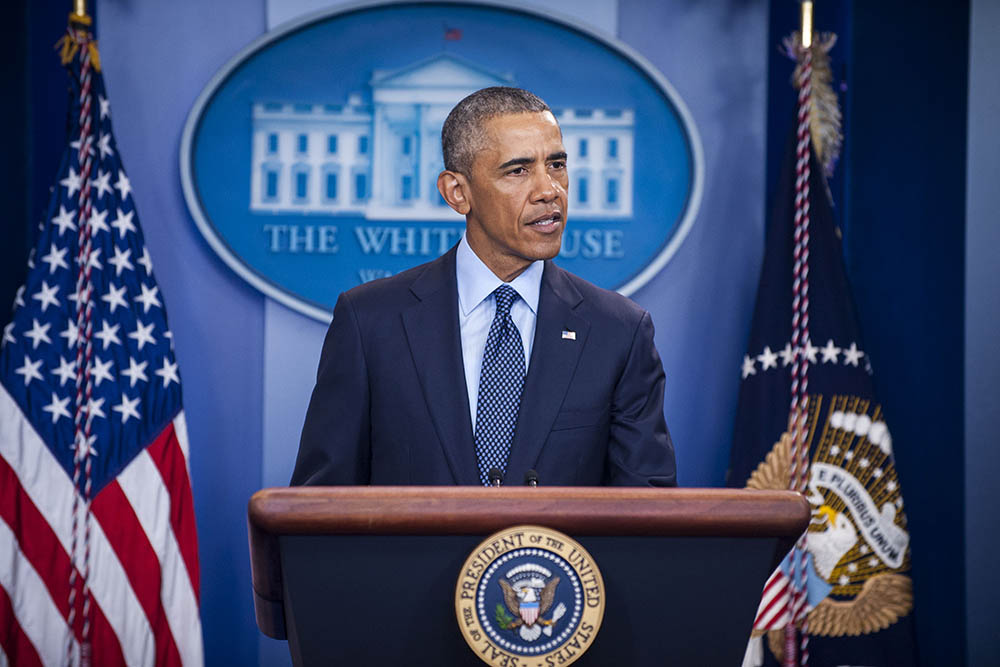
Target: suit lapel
{"type": "Point", "coordinates": [553, 361]}
{"type": "Point", "coordinates": [436, 347]}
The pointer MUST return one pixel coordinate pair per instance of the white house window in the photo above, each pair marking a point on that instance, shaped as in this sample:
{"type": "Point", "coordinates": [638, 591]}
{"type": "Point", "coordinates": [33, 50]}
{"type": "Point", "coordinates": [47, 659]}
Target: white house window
{"type": "Point", "coordinates": [300, 182]}
{"type": "Point", "coordinates": [331, 143]}
{"type": "Point", "coordinates": [331, 185]}
{"type": "Point", "coordinates": [272, 143]}
{"type": "Point", "coordinates": [582, 194]}
{"type": "Point", "coordinates": [407, 145]}
{"type": "Point", "coordinates": [406, 188]}
{"type": "Point", "coordinates": [303, 143]}
{"type": "Point", "coordinates": [612, 192]}
{"type": "Point", "coordinates": [360, 186]}
{"type": "Point", "coordinates": [269, 181]}
{"type": "Point", "coordinates": [612, 148]}
{"type": "Point", "coordinates": [363, 144]}
{"type": "Point", "coordinates": [583, 148]}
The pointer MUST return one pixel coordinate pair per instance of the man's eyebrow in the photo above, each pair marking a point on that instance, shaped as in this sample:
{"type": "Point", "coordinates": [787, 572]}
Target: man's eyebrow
{"type": "Point", "coordinates": [517, 160]}
{"type": "Point", "coordinates": [530, 160]}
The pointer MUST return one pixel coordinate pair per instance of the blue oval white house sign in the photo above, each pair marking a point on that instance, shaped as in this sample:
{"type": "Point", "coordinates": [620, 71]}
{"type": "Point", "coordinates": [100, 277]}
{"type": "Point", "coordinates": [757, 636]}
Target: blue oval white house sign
{"type": "Point", "coordinates": [309, 161]}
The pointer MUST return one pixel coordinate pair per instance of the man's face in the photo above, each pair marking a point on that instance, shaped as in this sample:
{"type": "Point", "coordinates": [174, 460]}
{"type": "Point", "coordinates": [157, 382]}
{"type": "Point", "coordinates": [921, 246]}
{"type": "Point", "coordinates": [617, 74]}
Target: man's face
{"type": "Point", "coordinates": [516, 193]}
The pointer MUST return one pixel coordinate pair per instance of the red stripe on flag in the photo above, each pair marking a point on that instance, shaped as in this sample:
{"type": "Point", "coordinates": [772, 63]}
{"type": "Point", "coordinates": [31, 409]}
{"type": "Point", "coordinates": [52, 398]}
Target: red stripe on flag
{"type": "Point", "coordinates": [780, 596]}
{"type": "Point", "coordinates": [41, 546]}
{"type": "Point", "coordinates": [138, 559]}
{"type": "Point", "coordinates": [17, 646]}
{"type": "Point", "coordinates": [169, 459]}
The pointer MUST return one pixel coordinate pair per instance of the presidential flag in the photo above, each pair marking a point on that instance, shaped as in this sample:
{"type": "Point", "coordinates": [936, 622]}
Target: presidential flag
{"type": "Point", "coordinates": [808, 420]}
{"type": "Point", "coordinates": [98, 551]}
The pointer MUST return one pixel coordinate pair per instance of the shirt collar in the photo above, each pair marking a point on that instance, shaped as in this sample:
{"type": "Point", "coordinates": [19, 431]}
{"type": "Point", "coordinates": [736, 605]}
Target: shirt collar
{"type": "Point", "coordinates": [476, 281]}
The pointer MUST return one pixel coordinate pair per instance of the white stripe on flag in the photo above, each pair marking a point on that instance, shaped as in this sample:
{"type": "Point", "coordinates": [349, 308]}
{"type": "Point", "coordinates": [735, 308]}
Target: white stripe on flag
{"type": "Point", "coordinates": [180, 430]}
{"type": "Point", "coordinates": [51, 490]}
{"type": "Point", "coordinates": [40, 619]}
{"type": "Point", "coordinates": [149, 497]}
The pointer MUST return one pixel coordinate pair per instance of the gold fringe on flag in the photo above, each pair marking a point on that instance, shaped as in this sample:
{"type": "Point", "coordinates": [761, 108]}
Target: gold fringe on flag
{"type": "Point", "coordinates": [825, 117]}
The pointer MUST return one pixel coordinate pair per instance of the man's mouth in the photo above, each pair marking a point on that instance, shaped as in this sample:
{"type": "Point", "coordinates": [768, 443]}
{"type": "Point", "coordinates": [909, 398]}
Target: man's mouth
{"type": "Point", "coordinates": [547, 220]}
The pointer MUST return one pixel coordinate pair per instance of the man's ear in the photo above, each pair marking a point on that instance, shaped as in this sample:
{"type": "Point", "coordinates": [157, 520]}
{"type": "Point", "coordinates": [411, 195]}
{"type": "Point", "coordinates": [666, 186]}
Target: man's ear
{"type": "Point", "coordinates": [454, 188]}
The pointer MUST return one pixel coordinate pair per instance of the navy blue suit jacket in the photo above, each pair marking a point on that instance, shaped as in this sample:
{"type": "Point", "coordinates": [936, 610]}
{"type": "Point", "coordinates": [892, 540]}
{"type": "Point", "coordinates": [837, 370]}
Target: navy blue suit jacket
{"type": "Point", "coordinates": [390, 404]}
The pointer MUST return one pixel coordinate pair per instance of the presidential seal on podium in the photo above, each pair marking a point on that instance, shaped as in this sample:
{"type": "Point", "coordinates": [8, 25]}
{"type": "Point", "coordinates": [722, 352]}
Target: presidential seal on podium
{"type": "Point", "coordinates": [529, 595]}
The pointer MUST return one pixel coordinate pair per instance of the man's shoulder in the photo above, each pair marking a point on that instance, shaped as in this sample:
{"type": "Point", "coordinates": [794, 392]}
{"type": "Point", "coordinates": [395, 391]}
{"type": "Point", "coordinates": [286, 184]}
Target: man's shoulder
{"type": "Point", "coordinates": [402, 289]}
{"type": "Point", "coordinates": [595, 301]}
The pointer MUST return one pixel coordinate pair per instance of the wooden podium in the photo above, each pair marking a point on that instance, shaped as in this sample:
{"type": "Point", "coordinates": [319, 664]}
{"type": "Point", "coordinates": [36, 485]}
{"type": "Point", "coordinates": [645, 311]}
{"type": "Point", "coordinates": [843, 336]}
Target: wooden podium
{"type": "Point", "coordinates": [367, 575]}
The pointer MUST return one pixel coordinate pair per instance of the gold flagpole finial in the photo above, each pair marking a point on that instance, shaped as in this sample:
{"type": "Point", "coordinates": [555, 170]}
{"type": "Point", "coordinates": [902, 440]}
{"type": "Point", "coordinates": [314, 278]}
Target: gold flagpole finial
{"type": "Point", "coordinates": [79, 13]}
{"type": "Point", "coordinates": [807, 23]}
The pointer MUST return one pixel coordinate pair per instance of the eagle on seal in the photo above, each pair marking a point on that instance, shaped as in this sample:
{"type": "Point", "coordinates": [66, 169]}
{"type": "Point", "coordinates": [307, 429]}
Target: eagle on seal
{"type": "Point", "coordinates": [527, 604]}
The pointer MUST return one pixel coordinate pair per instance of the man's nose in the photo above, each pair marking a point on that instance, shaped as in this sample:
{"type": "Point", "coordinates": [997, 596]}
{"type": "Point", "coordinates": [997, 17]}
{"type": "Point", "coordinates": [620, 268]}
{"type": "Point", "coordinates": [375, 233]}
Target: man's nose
{"type": "Point", "coordinates": [545, 187]}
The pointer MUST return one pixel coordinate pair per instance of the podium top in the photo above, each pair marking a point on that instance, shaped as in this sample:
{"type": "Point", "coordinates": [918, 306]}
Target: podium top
{"type": "Point", "coordinates": [465, 510]}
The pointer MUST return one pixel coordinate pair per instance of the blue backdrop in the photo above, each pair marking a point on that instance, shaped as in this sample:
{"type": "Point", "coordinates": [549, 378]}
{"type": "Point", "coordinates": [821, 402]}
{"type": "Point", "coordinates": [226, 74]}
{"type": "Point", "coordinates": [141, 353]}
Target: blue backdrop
{"type": "Point", "coordinates": [245, 360]}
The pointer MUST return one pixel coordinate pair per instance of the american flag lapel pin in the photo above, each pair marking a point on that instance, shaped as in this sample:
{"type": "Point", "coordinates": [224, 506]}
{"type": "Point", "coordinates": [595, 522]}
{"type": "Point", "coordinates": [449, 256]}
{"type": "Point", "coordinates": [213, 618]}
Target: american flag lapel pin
{"type": "Point", "coordinates": [568, 335]}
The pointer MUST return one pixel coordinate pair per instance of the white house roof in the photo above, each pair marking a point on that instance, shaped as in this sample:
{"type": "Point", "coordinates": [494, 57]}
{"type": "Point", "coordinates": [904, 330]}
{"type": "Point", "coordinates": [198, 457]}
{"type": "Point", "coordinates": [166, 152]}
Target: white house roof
{"type": "Point", "coordinates": [441, 71]}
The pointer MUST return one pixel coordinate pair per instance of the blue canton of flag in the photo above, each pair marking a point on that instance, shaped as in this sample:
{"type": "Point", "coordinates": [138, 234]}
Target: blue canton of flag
{"type": "Point", "coordinates": [138, 554]}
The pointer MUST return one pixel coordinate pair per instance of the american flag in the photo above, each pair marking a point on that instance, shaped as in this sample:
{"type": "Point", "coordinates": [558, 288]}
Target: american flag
{"type": "Point", "coordinates": [87, 359]}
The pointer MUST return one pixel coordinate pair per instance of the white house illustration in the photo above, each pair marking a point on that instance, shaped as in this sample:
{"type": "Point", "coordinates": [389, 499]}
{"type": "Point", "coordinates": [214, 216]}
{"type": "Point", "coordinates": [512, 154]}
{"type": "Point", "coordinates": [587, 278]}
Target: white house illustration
{"type": "Point", "coordinates": [382, 160]}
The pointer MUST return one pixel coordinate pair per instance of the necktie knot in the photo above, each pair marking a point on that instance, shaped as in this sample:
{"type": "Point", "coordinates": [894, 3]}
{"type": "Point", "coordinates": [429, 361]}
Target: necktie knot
{"type": "Point", "coordinates": [505, 296]}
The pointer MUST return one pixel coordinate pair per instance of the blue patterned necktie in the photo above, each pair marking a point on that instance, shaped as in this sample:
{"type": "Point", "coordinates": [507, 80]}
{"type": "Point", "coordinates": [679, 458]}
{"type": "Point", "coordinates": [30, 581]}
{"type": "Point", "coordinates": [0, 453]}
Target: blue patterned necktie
{"type": "Point", "coordinates": [500, 382]}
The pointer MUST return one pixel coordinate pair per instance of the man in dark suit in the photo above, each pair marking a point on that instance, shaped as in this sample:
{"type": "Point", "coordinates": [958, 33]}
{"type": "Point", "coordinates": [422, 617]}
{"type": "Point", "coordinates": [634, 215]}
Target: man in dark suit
{"type": "Point", "coordinates": [490, 361]}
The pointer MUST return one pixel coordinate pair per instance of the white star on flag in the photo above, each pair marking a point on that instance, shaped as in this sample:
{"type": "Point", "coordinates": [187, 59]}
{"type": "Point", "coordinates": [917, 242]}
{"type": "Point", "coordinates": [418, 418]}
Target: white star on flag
{"type": "Point", "coordinates": [830, 352]}
{"type": "Point", "coordinates": [94, 261]}
{"type": "Point", "coordinates": [143, 334]}
{"type": "Point", "coordinates": [124, 185]}
{"type": "Point", "coordinates": [121, 261]}
{"type": "Point", "coordinates": [29, 370]}
{"type": "Point", "coordinates": [101, 371]}
{"type": "Point", "coordinates": [56, 259]}
{"type": "Point", "coordinates": [148, 297]}
{"type": "Point", "coordinates": [87, 448]}
{"type": "Point", "coordinates": [94, 409]}
{"type": "Point", "coordinates": [102, 184]}
{"type": "Point", "coordinates": [71, 182]}
{"type": "Point", "coordinates": [57, 408]}
{"type": "Point", "coordinates": [748, 366]}
{"type": "Point", "coordinates": [787, 356]}
{"type": "Point", "coordinates": [104, 145]}
{"type": "Point", "coordinates": [767, 359]}
{"type": "Point", "coordinates": [123, 223]}
{"type": "Point", "coordinates": [115, 298]}
{"type": "Point", "coordinates": [64, 220]}
{"type": "Point", "coordinates": [38, 333]}
{"type": "Point", "coordinates": [105, 105]}
{"type": "Point", "coordinates": [19, 295]}
{"type": "Point", "coordinates": [146, 261]}
{"type": "Point", "coordinates": [811, 351]}
{"type": "Point", "coordinates": [108, 334]}
{"type": "Point", "coordinates": [65, 371]}
{"type": "Point", "coordinates": [8, 336]}
{"type": "Point", "coordinates": [136, 371]}
{"type": "Point", "coordinates": [168, 372]}
{"type": "Point", "coordinates": [98, 221]}
{"type": "Point", "coordinates": [852, 355]}
{"type": "Point", "coordinates": [47, 296]}
{"type": "Point", "coordinates": [71, 333]}
{"type": "Point", "coordinates": [128, 408]}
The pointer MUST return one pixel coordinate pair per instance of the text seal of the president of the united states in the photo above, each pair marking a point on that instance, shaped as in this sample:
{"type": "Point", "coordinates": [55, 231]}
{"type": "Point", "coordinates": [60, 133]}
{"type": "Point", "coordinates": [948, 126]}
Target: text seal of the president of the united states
{"type": "Point", "coordinates": [529, 595]}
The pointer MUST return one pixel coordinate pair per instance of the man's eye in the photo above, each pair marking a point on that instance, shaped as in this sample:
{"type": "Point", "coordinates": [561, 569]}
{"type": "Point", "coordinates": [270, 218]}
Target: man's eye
{"type": "Point", "coordinates": [517, 171]}
{"type": "Point", "coordinates": [558, 164]}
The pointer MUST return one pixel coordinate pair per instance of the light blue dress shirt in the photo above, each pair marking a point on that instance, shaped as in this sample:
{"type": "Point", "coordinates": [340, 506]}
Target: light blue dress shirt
{"type": "Point", "coordinates": [476, 307]}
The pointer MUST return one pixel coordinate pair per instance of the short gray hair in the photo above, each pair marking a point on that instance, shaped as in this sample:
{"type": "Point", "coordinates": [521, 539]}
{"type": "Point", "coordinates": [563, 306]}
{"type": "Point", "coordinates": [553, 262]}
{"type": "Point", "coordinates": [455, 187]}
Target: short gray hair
{"type": "Point", "coordinates": [463, 133]}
